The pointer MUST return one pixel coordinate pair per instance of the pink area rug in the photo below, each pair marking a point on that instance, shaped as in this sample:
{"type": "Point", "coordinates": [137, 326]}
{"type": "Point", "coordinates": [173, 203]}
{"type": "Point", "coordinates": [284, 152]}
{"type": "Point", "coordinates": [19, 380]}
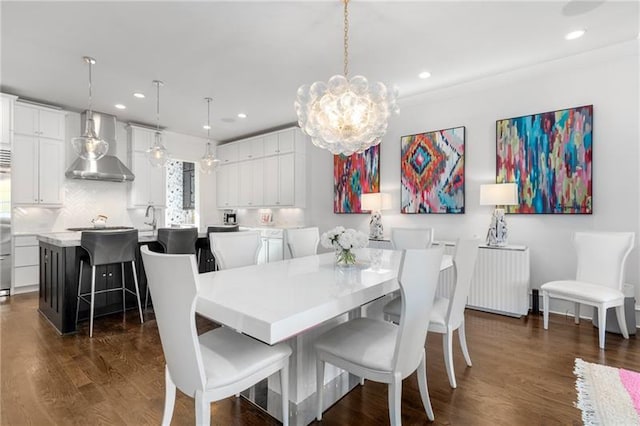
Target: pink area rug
{"type": "Point", "coordinates": [607, 395]}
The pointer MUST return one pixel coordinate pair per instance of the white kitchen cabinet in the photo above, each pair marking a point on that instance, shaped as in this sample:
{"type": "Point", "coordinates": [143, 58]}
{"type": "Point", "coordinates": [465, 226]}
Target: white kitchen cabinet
{"type": "Point", "coordinates": [7, 102]}
{"type": "Point", "coordinates": [37, 121]}
{"type": "Point", "coordinates": [149, 185]}
{"type": "Point", "coordinates": [251, 149]}
{"type": "Point", "coordinates": [38, 171]}
{"type": "Point", "coordinates": [251, 183]}
{"type": "Point", "coordinates": [280, 143]}
{"type": "Point", "coordinates": [227, 186]}
{"type": "Point", "coordinates": [141, 138]}
{"type": "Point", "coordinates": [26, 260]}
{"type": "Point", "coordinates": [279, 176]}
{"type": "Point", "coordinates": [227, 153]}
{"type": "Point", "coordinates": [270, 171]}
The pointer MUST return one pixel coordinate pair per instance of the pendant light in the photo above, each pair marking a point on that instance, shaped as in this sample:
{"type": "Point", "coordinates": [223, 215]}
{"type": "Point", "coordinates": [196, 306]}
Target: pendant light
{"type": "Point", "coordinates": [208, 161]}
{"type": "Point", "coordinates": [345, 115]}
{"type": "Point", "coordinates": [89, 146]}
{"type": "Point", "coordinates": [158, 154]}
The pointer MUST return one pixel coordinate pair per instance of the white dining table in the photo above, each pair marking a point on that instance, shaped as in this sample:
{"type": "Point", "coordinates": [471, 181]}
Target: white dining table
{"type": "Point", "coordinates": [295, 301]}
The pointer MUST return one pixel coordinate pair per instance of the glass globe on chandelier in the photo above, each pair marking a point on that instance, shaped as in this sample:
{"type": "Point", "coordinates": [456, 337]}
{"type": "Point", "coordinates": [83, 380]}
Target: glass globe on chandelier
{"type": "Point", "coordinates": [345, 115]}
{"type": "Point", "coordinates": [158, 154]}
{"type": "Point", "coordinates": [89, 146]}
{"type": "Point", "coordinates": [208, 161]}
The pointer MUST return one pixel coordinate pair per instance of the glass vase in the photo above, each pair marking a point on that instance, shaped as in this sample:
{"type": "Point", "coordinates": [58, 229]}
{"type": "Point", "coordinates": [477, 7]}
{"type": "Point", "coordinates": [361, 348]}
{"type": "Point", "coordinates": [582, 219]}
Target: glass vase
{"type": "Point", "coordinates": [345, 258]}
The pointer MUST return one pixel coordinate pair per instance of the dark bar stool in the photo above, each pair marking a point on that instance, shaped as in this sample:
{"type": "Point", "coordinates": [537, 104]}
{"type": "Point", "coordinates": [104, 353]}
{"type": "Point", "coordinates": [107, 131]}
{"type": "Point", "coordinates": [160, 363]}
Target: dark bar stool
{"type": "Point", "coordinates": [106, 248]}
{"type": "Point", "coordinates": [176, 241]}
{"type": "Point", "coordinates": [207, 246]}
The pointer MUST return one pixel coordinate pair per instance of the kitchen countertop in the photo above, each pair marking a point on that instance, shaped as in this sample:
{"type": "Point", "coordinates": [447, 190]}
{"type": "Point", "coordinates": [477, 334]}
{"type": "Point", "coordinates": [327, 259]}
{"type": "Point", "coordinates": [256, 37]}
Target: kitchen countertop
{"type": "Point", "coordinates": [71, 238]}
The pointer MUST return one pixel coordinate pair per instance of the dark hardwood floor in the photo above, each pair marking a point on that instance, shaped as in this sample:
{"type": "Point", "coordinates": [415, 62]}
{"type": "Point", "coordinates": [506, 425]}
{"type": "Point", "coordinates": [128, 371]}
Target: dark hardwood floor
{"type": "Point", "coordinates": [521, 375]}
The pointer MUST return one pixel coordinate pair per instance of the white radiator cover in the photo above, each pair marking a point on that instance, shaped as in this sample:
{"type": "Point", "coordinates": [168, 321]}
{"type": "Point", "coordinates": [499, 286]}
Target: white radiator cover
{"type": "Point", "coordinates": [500, 282]}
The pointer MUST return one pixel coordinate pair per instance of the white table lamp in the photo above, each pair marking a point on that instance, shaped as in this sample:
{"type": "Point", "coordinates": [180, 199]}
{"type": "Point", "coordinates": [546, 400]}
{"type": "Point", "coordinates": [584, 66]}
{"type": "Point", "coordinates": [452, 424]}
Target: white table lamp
{"type": "Point", "coordinates": [498, 194]}
{"type": "Point", "coordinates": [375, 202]}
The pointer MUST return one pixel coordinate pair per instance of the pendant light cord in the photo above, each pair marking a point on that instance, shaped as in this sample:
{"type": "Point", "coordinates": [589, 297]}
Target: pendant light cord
{"type": "Point", "coordinates": [157, 106]}
{"type": "Point", "coordinates": [90, 91]}
{"type": "Point", "coordinates": [346, 39]}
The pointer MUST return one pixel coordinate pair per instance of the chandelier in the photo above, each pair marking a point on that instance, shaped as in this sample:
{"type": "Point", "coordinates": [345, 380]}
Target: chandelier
{"type": "Point", "coordinates": [158, 154]}
{"type": "Point", "coordinates": [345, 115]}
{"type": "Point", "coordinates": [89, 146]}
{"type": "Point", "coordinates": [208, 161]}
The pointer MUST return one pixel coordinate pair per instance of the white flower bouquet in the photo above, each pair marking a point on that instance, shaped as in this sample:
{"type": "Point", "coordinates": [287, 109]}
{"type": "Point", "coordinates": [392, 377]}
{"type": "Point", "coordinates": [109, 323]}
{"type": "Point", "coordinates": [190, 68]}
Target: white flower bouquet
{"type": "Point", "coordinates": [343, 241]}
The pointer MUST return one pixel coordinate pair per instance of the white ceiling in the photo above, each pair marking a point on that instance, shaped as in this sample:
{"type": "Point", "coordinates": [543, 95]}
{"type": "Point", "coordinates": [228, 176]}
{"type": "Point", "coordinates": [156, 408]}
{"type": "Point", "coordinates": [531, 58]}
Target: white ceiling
{"type": "Point", "coordinates": [252, 56]}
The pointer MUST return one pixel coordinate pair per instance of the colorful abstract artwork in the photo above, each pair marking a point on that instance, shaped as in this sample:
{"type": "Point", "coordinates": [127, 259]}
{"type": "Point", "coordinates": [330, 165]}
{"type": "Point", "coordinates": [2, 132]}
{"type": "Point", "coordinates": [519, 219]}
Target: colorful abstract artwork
{"type": "Point", "coordinates": [354, 175]}
{"type": "Point", "coordinates": [432, 168]}
{"type": "Point", "coordinates": [549, 156]}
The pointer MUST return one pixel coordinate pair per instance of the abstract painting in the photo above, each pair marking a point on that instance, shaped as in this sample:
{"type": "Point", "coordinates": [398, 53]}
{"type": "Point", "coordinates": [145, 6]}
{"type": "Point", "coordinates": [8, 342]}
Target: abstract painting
{"type": "Point", "coordinates": [432, 169]}
{"type": "Point", "coordinates": [549, 156]}
{"type": "Point", "coordinates": [354, 175]}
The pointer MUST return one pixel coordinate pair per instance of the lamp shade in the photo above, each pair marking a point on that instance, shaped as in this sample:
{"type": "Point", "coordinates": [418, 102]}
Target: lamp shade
{"type": "Point", "coordinates": [499, 194]}
{"type": "Point", "coordinates": [375, 201]}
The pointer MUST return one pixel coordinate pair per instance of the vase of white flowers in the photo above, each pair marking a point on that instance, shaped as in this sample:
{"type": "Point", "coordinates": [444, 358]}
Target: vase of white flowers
{"type": "Point", "coordinates": [344, 242]}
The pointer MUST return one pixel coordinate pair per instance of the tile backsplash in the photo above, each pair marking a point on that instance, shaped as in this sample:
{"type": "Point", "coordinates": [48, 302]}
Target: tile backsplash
{"type": "Point", "coordinates": [83, 201]}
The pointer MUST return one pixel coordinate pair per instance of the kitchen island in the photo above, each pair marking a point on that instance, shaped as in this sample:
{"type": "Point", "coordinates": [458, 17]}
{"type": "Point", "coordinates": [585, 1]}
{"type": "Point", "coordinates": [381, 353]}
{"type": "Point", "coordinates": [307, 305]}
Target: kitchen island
{"type": "Point", "coordinates": [60, 254]}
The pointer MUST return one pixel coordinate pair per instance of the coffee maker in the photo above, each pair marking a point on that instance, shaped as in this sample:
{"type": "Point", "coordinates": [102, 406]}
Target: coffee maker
{"type": "Point", "coordinates": [229, 217]}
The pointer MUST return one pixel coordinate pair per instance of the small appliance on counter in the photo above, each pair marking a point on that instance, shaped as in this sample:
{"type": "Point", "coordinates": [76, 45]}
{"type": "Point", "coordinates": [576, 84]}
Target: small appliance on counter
{"type": "Point", "coordinates": [229, 217]}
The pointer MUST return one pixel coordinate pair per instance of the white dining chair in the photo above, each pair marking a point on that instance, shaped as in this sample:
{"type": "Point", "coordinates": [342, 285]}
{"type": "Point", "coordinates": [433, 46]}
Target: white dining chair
{"type": "Point", "coordinates": [302, 242]}
{"type": "Point", "coordinates": [599, 278]}
{"type": "Point", "coordinates": [447, 314]}
{"type": "Point", "coordinates": [382, 351]}
{"type": "Point", "coordinates": [215, 365]}
{"type": "Point", "coordinates": [235, 249]}
{"type": "Point", "coordinates": [411, 238]}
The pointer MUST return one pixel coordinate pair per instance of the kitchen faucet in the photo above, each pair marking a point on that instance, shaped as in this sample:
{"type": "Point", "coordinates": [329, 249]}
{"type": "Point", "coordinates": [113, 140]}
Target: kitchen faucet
{"type": "Point", "coordinates": [153, 222]}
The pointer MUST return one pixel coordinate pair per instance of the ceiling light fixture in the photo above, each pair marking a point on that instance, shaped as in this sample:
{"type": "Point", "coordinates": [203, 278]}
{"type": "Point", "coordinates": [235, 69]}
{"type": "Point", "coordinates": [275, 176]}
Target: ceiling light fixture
{"type": "Point", "coordinates": [208, 161]}
{"type": "Point", "coordinates": [120, 106]}
{"type": "Point", "coordinates": [345, 115]}
{"type": "Point", "coordinates": [574, 34]}
{"type": "Point", "coordinates": [158, 154]}
{"type": "Point", "coordinates": [138, 95]}
{"type": "Point", "coordinates": [242, 115]}
{"type": "Point", "coordinates": [89, 146]}
{"type": "Point", "coordinates": [424, 74]}
{"type": "Point", "coordinates": [206, 127]}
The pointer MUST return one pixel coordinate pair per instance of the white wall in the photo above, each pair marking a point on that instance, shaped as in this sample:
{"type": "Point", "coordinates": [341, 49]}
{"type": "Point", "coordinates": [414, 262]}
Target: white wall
{"type": "Point", "coordinates": [85, 199]}
{"type": "Point", "coordinates": [607, 78]}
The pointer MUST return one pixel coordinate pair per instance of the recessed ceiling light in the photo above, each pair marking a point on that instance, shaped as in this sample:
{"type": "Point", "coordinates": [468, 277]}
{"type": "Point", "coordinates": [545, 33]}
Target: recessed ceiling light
{"type": "Point", "coordinates": [206, 127]}
{"type": "Point", "coordinates": [575, 34]}
{"type": "Point", "coordinates": [242, 115]}
{"type": "Point", "coordinates": [120, 106]}
{"type": "Point", "coordinates": [139, 95]}
{"type": "Point", "coordinates": [424, 74]}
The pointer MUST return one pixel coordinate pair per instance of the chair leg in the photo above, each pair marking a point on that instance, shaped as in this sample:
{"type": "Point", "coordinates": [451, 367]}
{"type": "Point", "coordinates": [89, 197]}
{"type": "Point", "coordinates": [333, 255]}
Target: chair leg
{"type": "Point", "coordinates": [395, 400]}
{"type": "Point", "coordinates": [203, 410]}
{"type": "Point", "coordinates": [422, 385]}
{"type": "Point", "coordinates": [93, 296]}
{"type": "Point", "coordinates": [545, 307]}
{"type": "Point", "coordinates": [602, 324]}
{"type": "Point", "coordinates": [169, 398]}
{"type": "Point", "coordinates": [447, 349]}
{"type": "Point", "coordinates": [462, 335]}
{"type": "Point", "coordinates": [319, 386]}
{"type": "Point", "coordinates": [622, 322]}
{"type": "Point", "coordinates": [79, 289]}
{"type": "Point", "coordinates": [284, 392]}
{"type": "Point", "coordinates": [124, 292]}
{"type": "Point", "coordinates": [576, 318]}
{"type": "Point", "coordinates": [135, 282]}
